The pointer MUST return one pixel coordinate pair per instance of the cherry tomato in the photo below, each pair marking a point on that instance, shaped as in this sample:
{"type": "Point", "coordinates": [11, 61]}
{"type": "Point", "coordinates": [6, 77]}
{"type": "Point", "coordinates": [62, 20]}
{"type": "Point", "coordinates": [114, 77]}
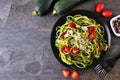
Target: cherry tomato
{"type": "Point", "coordinates": [66, 49]}
{"type": "Point", "coordinates": [92, 36]}
{"type": "Point", "coordinates": [91, 29]}
{"type": "Point", "coordinates": [100, 47]}
{"type": "Point", "coordinates": [72, 25]}
{"type": "Point", "coordinates": [75, 51]}
{"type": "Point", "coordinates": [99, 6]}
{"type": "Point", "coordinates": [107, 13]}
{"type": "Point", "coordinates": [63, 34]}
{"type": "Point", "coordinates": [74, 75]}
{"type": "Point", "coordinates": [66, 72]}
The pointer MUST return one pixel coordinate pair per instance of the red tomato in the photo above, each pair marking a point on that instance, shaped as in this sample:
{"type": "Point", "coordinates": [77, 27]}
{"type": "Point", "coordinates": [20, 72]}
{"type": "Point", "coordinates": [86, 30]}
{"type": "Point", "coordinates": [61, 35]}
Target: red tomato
{"type": "Point", "coordinates": [100, 48]}
{"type": "Point", "coordinates": [99, 6]}
{"type": "Point", "coordinates": [66, 49]}
{"type": "Point", "coordinates": [92, 36]}
{"type": "Point", "coordinates": [75, 51]}
{"type": "Point", "coordinates": [66, 72]}
{"type": "Point", "coordinates": [74, 75]}
{"type": "Point", "coordinates": [63, 33]}
{"type": "Point", "coordinates": [91, 29]}
{"type": "Point", "coordinates": [107, 13]}
{"type": "Point", "coordinates": [72, 25]}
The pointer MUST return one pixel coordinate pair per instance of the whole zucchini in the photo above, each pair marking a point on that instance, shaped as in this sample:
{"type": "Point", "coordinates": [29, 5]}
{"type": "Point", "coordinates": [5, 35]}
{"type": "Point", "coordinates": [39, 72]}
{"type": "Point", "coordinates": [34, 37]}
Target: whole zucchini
{"type": "Point", "coordinates": [63, 6]}
{"type": "Point", "coordinates": [42, 7]}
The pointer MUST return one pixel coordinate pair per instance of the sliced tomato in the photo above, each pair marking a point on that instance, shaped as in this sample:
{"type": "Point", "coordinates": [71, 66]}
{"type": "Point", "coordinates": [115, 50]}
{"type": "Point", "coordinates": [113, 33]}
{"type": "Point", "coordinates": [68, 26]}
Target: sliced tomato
{"type": "Point", "coordinates": [91, 29]}
{"type": "Point", "coordinates": [100, 48]}
{"type": "Point", "coordinates": [74, 51]}
{"type": "Point", "coordinates": [72, 25]}
{"type": "Point", "coordinates": [92, 36]}
{"type": "Point", "coordinates": [63, 34]}
{"type": "Point", "coordinates": [66, 49]}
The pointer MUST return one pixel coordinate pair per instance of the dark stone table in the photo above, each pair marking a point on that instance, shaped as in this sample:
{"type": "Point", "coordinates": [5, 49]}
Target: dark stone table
{"type": "Point", "coordinates": [25, 51]}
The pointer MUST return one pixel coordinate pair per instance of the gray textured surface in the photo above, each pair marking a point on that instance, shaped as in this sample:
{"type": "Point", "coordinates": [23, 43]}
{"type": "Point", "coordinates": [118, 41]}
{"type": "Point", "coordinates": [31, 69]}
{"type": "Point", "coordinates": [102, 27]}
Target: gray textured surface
{"type": "Point", "coordinates": [25, 52]}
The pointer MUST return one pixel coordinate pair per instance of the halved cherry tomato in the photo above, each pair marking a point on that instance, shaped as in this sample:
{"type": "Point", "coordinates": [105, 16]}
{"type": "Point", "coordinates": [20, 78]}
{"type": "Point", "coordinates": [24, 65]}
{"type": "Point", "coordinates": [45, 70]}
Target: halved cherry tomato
{"type": "Point", "coordinates": [107, 13]}
{"type": "Point", "coordinates": [66, 49]}
{"type": "Point", "coordinates": [99, 6]}
{"type": "Point", "coordinates": [72, 25]}
{"type": "Point", "coordinates": [91, 29]}
{"type": "Point", "coordinates": [92, 36]}
{"type": "Point", "coordinates": [63, 34]}
{"type": "Point", "coordinates": [100, 48]}
{"type": "Point", "coordinates": [74, 51]}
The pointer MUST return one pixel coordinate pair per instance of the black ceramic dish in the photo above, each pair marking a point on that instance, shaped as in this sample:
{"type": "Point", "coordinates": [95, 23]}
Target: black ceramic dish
{"type": "Point", "coordinates": [89, 14]}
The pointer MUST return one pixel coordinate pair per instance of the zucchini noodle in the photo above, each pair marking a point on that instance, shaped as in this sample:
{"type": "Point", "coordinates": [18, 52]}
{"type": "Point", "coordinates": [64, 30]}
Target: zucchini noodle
{"type": "Point", "coordinates": [78, 37]}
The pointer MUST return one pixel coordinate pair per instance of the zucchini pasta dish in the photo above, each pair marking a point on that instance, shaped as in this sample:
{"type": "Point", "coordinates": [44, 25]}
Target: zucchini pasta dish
{"type": "Point", "coordinates": [80, 40]}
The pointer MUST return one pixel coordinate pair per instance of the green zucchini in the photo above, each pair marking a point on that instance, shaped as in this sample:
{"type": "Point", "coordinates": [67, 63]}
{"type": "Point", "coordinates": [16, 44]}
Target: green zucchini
{"type": "Point", "coordinates": [63, 6]}
{"type": "Point", "coordinates": [42, 7]}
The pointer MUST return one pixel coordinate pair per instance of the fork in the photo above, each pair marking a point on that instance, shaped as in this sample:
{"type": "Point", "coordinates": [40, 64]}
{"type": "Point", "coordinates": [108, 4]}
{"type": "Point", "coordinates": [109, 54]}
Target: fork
{"type": "Point", "coordinates": [105, 67]}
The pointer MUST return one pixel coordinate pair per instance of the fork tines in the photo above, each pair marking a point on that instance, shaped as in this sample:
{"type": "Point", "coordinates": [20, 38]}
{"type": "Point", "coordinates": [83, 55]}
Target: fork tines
{"type": "Point", "coordinates": [100, 71]}
{"type": "Point", "coordinates": [98, 68]}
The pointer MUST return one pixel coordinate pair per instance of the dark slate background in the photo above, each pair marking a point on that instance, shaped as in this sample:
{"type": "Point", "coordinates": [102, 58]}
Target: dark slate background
{"type": "Point", "coordinates": [25, 51]}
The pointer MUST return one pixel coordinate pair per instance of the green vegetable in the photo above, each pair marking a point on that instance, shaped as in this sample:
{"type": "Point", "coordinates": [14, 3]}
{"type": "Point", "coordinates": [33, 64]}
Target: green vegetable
{"type": "Point", "coordinates": [78, 37]}
{"type": "Point", "coordinates": [63, 6]}
{"type": "Point", "coordinates": [42, 7]}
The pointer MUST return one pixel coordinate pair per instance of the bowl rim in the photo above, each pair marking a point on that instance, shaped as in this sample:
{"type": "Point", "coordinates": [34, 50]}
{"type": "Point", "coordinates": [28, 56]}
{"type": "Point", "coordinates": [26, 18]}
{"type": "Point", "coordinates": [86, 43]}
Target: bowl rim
{"type": "Point", "coordinates": [114, 18]}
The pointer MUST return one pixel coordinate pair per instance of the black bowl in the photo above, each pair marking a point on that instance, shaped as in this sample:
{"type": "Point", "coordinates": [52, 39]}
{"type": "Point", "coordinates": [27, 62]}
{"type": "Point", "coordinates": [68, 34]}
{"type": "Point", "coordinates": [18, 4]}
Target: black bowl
{"type": "Point", "coordinates": [89, 14]}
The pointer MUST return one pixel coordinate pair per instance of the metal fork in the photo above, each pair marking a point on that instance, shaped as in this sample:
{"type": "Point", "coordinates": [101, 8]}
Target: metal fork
{"type": "Point", "coordinates": [105, 67]}
{"type": "Point", "coordinates": [100, 71]}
